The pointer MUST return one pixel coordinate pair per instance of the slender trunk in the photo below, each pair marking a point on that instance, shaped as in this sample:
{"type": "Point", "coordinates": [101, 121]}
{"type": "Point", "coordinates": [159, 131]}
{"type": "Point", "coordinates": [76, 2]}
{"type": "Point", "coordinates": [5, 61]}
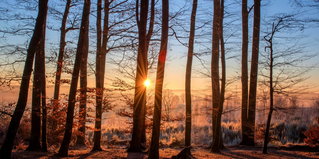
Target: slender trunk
{"type": "Point", "coordinates": [34, 144]}
{"type": "Point", "coordinates": [82, 49]}
{"type": "Point", "coordinates": [189, 63]}
{"type": "Point", "coordinates": [100, 72]}
{"type": "Point", "coordinates": [57, 82]}
{"type": "Point", "coordinates": [253, 75]}
{"type": "Point", "coordinates": [154, 153]}
{"type": "Point", "coordinates": [37, 36]}
{"type": "Point", "coordinates": [148, 40]}
{"type": "Point", "coordinates": [141, 76]}
{"type": "Point", "coordinates": [44, 147]}
{"type": "Point", "coordinates": [97, 146]}
{"type": "Point", "coordinates": [271, 95]}
{"type": "Point", "coordinates": [223, 63]}
{"type": "Point", "coordinates": [83, 99]}
{"type": "Point", "coordinates": [215, 78]}
{"type": "Point", "coordinates": [244, 74]}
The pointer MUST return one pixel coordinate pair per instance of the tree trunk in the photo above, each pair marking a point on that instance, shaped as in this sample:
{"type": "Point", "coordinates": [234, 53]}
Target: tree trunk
{"type": "Point", "coordinates": [57, 82]}
{"type": "Point", "coordinates": [80, 141]}
{"type": "Point", "coordinates": [44, 147]}
{"type": "Point", "coordinates": [223, 63]}
{"type": "Point", "coordinates": [82, 49]}
{"type": "Point", "coordinates": [253, 75]}
{"type": "Point", "coordinates": [141, 76]}
{"type": "Point", "coordinates": [100, 72]}
{"type": "Point", "coordinates": [34, 144]}
{"type": "Point", "coordinates": [34, 45]}
{"type": "Point", "coordinates": [271, 91]}
{"type": "Point", "coordinates": [244, 74]}
{"type": "Point", "coordinates": [148, 40]}
{"type": "Point", "coordinates": [189, 63]}
{"type": "Point", "coordinates": [215, 78]}
{"type": "Point", "coordinates": [271, 106]}
{"type": "Point", "coordinates": [154, 153]}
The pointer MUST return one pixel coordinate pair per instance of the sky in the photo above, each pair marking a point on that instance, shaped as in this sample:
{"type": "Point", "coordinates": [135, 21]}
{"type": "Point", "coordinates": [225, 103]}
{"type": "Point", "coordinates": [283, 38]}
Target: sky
{"type": "Point", "coordinates": [175, 67]}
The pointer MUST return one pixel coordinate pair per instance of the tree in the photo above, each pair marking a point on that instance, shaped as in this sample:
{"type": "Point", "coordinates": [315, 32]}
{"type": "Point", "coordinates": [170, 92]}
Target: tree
{"type": "Point", "coordinates": [82, 49]}
{"type": "Point", "coordinates": [100, 70]}
{"type": "Point", "coordinates": [34, 46]}
{"type": "Point", "coordinates": [83, 100]}
{"type": "Point", "coordinates": [277, 63]}
{"type": "Point", "coordinates": [253, 76]}
{"type": "Point", "coordinates": [223, 65]}
{"type": "Point", "coordinates": [188, 96]}
{"type": "Point", "coordinates": [244, 73]}
{"type": "Point", "coordinates": [57, 83]}
{"type": "Point", "coordinates": [139, 107]}
{"type": "Point", "coordinates": [153, 152]}
{"type": "Point", "coordinates": [99, 91]}
{"type": "Point", "coordinates": [44, 147]}
{"type": "Point", "coordinates": [34, 144]}
{"type": "Point", "coordinates": [215, 78]}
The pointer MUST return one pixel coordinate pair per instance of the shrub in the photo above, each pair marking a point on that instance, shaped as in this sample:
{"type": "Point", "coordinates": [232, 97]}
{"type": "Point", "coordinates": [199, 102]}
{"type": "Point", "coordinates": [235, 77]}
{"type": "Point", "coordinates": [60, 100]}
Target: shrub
{"type": "Point", "coordinates": [312, 136]}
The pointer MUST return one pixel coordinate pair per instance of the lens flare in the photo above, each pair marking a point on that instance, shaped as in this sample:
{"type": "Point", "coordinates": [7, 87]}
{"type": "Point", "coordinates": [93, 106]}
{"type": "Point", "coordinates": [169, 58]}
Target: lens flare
{"type": "Point", "coordinates": [147, 83]}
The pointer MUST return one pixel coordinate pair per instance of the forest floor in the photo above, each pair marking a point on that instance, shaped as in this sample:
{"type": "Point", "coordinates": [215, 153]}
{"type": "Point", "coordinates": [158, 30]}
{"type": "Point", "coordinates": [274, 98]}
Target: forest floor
{"type": "Point", "coordinates": [238, 152]}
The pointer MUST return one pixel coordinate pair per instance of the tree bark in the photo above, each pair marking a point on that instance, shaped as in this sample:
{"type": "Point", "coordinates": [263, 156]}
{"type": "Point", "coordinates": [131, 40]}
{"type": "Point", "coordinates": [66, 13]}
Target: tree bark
{"type": "Point", "coordinates": [223, 63]}
{"type": "Point", "coordinates": [215, 78]}
{"type": "Point", "coordinates": [188, 96]}
{"type": "Point", "coordinates": [34, 144]}
{"type": "Point", "coordinates": [244, 74]}
{"type": "Point", "coordinates": [253, 75]}
{"type": "Point", "coordinates": [82, 49]}
{"type": "Point", "coordinates": [57, 82]}
{"type": "Point", "coordinates": [271, 102]}
{"type": "Point", "coordinates": [141, 76]}
{"type": "Point", "coordinates": [100, 72]}
{"type": "Point", "coordinates": [80, 141]}
{"type": "Point", "coordinates": [34, 45]}
{"type": "Point", "coordinates": [154, 153]}
{"type": "Point", "coordinates": [44, 147]}
{"type": "Point", "coordinates": [271, 87]}
{"type": "Point", "coordinates": [148, 40]}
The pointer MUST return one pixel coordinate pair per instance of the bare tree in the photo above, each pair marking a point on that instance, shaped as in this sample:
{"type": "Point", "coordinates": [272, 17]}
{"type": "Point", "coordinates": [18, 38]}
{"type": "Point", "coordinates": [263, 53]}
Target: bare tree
{"type": "Point", "coordinates": [154, 152]}
{"type": "Point", "coordinates": [139, 108]}
{"type": "Point", "coordinates": [82, 49]}
{"type": "Point", "coordinates": [244, 73]}
{"type": "Point", "coordinates": [188, 96]}
{"type": "Point", "coordinates": [34, 46]}
{"type": "Point", "coordinates": [253, 76]}
{"type": "Point", "coordinates": [215, 78]}
{"type": "Point", "coordinates": [280, 80]}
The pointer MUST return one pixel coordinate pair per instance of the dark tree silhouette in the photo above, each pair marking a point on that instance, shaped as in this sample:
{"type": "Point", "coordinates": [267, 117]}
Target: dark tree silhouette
{"type": "Point", "coordinates": [223, 65]}
{"type": "Point", "coordinates": [80, 141]}
{"type": "Point", "coordinates": [215, 77]}
{"type": "Point", "coordinates": [83, 100]}
{"type": "Point", "coordinates": [100, 71]}
{"type": "Point", "coordinates": [44, 147]}
{"type": "Point", "coordinates": [188, 96]}
{"type": "Point", "coordinates": [244, 73]}
{"type": "Point", "coordinates": [99, 91]}
{"type": "Point", "coordinates": [253, 75]}
{"type": "Point", "coordinates": [82, 49]}
{"type": "Point", "coordinates": [34, 46]}
{"type": "Point", "coordinates": [279, 62]}
{"type": "Point", "coordinates": [141, 76]}
{"type": "Point", "coordinates": [34, 144]}
{"type": "Point", "coordinates": [153, 152]}
{"type": "Point", "coordinates": [57, 83]}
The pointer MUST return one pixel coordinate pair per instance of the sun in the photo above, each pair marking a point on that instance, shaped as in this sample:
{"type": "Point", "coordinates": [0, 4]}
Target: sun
{"type": "Point", "coordinates": [147, 83]}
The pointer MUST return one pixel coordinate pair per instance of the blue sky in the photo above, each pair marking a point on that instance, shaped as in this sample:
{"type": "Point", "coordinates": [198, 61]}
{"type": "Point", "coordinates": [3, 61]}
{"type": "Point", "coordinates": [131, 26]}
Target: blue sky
{"type": "Point", "coordinates": [175, 70]}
